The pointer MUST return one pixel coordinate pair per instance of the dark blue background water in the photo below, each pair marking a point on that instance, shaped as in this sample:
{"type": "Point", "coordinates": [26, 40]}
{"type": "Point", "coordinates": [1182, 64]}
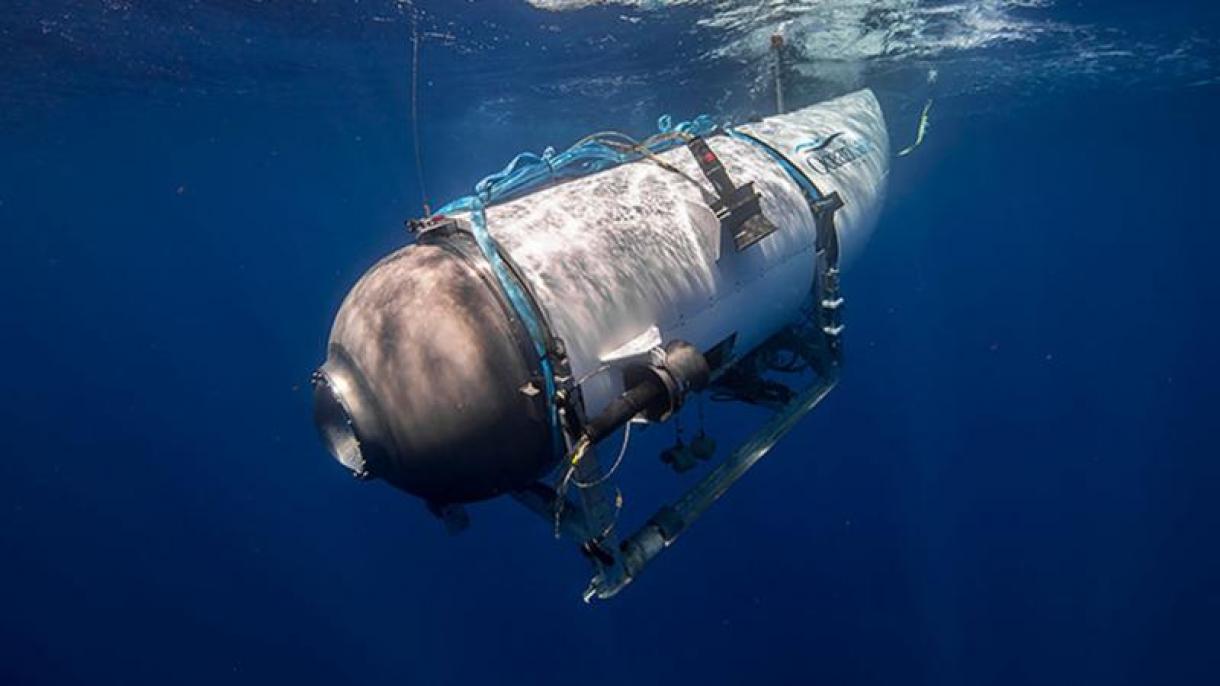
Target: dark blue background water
{"type": "Point", "coordinates": [1015, 484]}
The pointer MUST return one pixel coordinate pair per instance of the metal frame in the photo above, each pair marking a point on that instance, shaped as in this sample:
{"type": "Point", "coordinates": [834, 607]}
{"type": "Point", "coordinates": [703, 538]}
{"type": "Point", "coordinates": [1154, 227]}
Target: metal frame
{"type": "Point", "coordinates": [671, 521]}
{"type": "Point", "coordinates": [590, 521]}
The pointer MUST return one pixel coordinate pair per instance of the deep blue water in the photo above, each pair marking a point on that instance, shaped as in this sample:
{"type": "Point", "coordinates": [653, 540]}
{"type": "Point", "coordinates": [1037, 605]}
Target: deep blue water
{"type": "Point", "coordinates": [1015, 483]}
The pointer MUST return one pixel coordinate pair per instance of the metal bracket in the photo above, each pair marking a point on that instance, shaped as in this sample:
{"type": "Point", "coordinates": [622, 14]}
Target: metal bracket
{"type": "Point", "coordinates": [737, 207]}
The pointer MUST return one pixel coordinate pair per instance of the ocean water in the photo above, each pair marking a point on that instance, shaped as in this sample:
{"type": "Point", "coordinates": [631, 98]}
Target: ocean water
{"type": "Point", "coordinates": [1016, 482]}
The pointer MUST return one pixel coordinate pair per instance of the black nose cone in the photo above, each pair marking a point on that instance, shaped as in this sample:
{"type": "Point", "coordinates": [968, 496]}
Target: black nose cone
{"type": "Point", "coordinates": [428, 382]}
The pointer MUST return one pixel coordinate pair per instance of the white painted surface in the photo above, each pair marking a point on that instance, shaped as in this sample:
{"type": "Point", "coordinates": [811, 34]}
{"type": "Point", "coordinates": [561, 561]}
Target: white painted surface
{"type": "Point", "coordinates": [612, 255]}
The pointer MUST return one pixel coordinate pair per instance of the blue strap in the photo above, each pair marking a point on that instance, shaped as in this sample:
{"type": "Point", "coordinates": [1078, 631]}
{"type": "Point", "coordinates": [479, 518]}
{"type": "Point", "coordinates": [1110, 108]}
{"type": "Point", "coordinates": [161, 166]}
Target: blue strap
{"type": "Point", "coordinates": [520, 302]}
{"type": "Point", "coordinates": [811, 191]}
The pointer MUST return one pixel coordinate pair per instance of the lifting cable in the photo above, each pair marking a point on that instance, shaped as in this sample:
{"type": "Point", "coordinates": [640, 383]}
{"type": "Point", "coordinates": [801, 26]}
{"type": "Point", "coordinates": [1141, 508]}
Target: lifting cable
{"type": "Point", "coordinates": [419, 158]}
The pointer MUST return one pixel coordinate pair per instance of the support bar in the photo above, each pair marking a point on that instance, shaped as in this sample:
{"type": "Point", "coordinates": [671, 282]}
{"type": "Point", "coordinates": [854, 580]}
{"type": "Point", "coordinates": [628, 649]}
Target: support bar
{"type": "Point", "coordinates": [671, 521]}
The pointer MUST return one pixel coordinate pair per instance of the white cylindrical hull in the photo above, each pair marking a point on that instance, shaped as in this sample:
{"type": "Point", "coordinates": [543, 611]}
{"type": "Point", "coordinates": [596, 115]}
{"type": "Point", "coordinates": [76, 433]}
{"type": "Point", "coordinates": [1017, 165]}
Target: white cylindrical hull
{"type": "Point", "coordinates": [634, 256]}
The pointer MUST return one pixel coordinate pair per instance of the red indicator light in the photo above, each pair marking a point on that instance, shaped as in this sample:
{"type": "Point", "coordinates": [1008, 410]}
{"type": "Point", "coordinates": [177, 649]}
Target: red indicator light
{"type": "Point", "coordinates": [709, 157]}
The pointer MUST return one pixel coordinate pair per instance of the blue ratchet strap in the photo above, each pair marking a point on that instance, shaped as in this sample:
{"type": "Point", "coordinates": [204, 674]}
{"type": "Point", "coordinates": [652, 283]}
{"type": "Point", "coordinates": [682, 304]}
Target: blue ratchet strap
{"type": "Point", "coordinates": [521, 304]}
{"type": "Point", "coordinates": [811, 192]}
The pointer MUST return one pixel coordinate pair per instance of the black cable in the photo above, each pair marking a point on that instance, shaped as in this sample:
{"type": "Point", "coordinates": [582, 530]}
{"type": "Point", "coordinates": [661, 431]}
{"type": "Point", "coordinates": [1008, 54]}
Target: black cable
{"type": "Point", "coordinates": [419, 159]}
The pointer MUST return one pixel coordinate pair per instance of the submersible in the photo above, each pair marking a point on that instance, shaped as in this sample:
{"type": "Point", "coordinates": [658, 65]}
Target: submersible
{"type": "Point", "coordinates": [570, 296]}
